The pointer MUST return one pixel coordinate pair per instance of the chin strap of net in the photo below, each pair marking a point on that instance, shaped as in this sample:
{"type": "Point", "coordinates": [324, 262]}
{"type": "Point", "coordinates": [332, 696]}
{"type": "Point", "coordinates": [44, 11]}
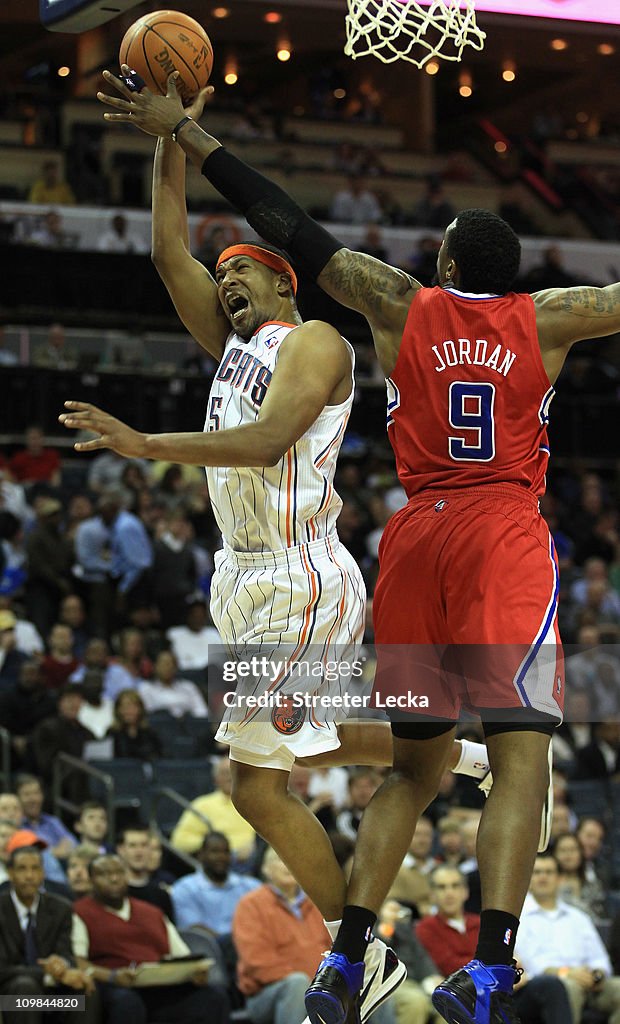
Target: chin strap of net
{"type": "Point", "coordinates": [404, 30]}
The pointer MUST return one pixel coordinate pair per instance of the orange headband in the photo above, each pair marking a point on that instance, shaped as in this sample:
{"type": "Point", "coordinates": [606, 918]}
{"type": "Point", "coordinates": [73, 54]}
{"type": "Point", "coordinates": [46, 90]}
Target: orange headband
{"type": "Point", "coordinates": [255, 252]}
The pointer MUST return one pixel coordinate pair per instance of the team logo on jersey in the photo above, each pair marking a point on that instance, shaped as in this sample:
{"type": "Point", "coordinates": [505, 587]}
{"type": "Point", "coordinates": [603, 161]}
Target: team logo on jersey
{"type": "Point", "coordinates": [439, 507]}
{"type": "Point", "coordinates": [287, 718]}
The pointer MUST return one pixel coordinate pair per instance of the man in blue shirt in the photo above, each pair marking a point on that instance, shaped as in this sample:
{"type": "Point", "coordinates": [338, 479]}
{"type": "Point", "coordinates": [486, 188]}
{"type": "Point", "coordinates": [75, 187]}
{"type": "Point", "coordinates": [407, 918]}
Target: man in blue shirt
{"type": "Point", "coordinates": [131, 552]}
{"type": "Point", "coordinates": [46, 826]}
{"type": "Point", "coordinates": [209, 897]}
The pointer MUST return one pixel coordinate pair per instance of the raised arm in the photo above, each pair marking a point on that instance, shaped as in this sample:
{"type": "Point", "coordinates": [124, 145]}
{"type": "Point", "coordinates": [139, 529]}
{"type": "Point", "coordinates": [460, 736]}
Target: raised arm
{"type": "Point", "coordinates": [379, 292]}
{"type": "Point", "coordinates": [189, 284]}
{"type": "Point", "coordinates": [313, 370]}
{"type": "Point", "coordinates": [565, 316]}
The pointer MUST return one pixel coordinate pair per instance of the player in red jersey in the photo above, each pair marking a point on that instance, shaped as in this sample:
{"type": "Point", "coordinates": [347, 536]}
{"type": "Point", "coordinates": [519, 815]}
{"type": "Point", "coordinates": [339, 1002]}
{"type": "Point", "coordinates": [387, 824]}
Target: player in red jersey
{"type": "Point", "coordinates": [468, 583]}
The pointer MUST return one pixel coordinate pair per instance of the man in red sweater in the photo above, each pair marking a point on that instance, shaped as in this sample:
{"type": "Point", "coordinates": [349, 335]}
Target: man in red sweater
{"type": "Point", "coordinates": [114, 933]}
{"type": "Point", "coordinates": [450, 937]}
{"type": "Point", "coordinates": [280, 938]}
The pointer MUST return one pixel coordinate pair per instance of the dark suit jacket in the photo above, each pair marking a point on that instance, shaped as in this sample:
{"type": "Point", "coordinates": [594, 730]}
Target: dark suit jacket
{"type": "Point", "coordinates": [53, 933]}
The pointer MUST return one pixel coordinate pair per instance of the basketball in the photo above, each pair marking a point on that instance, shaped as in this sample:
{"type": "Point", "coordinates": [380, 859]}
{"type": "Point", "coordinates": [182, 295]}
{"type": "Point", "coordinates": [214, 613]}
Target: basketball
{"type": "Point", "coordinates": [165, 41]}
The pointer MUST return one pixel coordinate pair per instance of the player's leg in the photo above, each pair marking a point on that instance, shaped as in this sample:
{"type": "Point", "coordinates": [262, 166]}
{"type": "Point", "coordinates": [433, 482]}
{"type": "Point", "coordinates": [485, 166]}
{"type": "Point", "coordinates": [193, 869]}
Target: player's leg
{"type": "Point", "coordinates": [262, 797]}
{"type": "Point", "coordinates": [384, 837]}
{"type": "Point", "coordinates": [368, 741]}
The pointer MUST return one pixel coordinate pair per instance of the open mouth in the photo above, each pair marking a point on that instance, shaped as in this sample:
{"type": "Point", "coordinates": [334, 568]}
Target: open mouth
{"type": "Point", "coordinates": [237, 305]}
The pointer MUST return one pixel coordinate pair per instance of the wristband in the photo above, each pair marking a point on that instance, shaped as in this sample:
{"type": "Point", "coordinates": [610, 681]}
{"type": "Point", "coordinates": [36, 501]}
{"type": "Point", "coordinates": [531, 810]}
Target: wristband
{"type": "Point", "coordinates": [177, 127]}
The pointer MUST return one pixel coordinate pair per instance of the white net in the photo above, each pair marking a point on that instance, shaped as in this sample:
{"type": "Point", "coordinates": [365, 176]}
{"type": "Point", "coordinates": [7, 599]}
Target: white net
{"type": "Point", "coordinates": [404, 30]}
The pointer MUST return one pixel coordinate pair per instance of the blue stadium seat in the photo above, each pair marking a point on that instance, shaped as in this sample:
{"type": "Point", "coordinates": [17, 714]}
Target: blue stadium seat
{"type": "Point", "coordinates": [190, 777]}
{"type": "Point", "coordinates": [591, 798]}
{"type": "Point", "coordinates": [130, 775]}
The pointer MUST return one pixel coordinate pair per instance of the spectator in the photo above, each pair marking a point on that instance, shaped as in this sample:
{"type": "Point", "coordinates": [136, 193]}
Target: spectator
{"type": "Point", "coordinates": [13, 497]}
{"type": "Point", "coordinates": [588, 896]}
{"type": "Point", "coordinates": [221, 816]}
{"type": "Point", "coordinates": [28, 638]}
{"type": "Point", "coordinates": [591, 835]}
{"type": "Point", "coordinates": [131, 553]}
{"type": "Point", "coordinates": [93, 557]}
{"type": "Point", "coordinates": [118, 239]}
{"type": "Point", "coordinates": [55, 355]}
{"type": "Point", "coordinates": [73, 614]}
{"type": "Point", "coordinates": [60, 663]}
{"type": "Point", "coordinates": [280, 936]}
{"type": "Point", "coordinates": [133, 845]}
{"type": "Point", "coordinates": [7, 829]}
{"type": "Point", "coordinates": [355, 204]}
{"type": "Point", "coordinates": [166, 692]}
{"type": "Point", "coordinates": [434, 209]}
{"type": "Point", "coordinates": [96, 712]}
{"type": "Point", "coordinates": [105, 472]}
{"type": "Point", "coordinates": [46, 826]}
{"type": "Point", "coordinates": [79, 508]}
{"type": "Point", "coordinates": [600, 759]}
{"type": "Point", "coordinates": [49, 188]}
{"type": "Point", "coordinates": [62, 733]}
{"type": "Point", "coordinates": [450, 841]}
{"type": "Point", "coordinates": [363, 784]}
{"type": "Point", "coordinates": [50, 559]}
{"type": "Point", "coordinates": [35, 462]}
{"type": "Point", "coordinates": [132, 666]}
{"type": "Point", "coordinates": [97, 659]}
{"type": "Point", "coordinates": [449, 936]}
{"type": "Point", "coordinates": [114, 932]}
{"type": "Point", "coordinates": [372, 244]}
{"type": "Point", "coordinates": [12, 558]}
{"type": "Point", "coordinates": [11, 811]}
{"type": "Point", "coordinates": [555, 938]}
{"type": "Point", "coordinates": [411, 886]}
{"type": "Point", "coordinates": [422, 263]}
{"type": "Point", "coordinates": [91, 825]}
{"type": "Point", "coordinates": [174, 569]}
{"type": "Point", "coordinates": [11, 660]}
{"type": "Point", "coordinates": [191, 642]}
{"type": "Point", "coordinates": [158, 874]}
{"type": "Point", "coordinates": [36, 958]}
{"type": "Point", "coordinates": [23, 706]}
{"type": "Point", "coordinates": [550, 273]}
{"type": "Point", "coordinates": [78, 877]}
{"type": "Point", "coordinates": [453, 934]}
{"type": "Point", "coordinates": [209, 897]}
{"type": "Point", "coordinates": [411, 1001]}
{"type": "Point", "coordinates": [130, 731]}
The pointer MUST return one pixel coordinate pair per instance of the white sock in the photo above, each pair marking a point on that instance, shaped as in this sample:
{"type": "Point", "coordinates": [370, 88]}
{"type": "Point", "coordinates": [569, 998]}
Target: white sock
{"type": "Point", "coordinates": [332, 928]}
{"type": "Point", "coordinates": [474, 760]}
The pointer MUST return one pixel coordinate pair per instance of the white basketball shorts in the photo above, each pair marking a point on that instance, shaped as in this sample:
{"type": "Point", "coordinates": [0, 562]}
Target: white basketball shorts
{"type": "Point", "coordinates": [293, 622]}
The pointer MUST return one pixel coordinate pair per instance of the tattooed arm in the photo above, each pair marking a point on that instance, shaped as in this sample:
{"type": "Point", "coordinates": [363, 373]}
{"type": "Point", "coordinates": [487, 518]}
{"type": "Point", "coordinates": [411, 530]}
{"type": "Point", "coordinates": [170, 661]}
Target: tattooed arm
{"type": "Point", "coordinates": [379, 292]}
{"type": "Point", "coordinates": [567, 315]}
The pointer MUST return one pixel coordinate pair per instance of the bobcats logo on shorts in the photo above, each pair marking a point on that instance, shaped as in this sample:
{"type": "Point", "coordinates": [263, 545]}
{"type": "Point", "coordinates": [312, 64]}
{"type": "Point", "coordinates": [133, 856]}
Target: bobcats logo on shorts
{"type": "Point", "coordinates": [287, 718]}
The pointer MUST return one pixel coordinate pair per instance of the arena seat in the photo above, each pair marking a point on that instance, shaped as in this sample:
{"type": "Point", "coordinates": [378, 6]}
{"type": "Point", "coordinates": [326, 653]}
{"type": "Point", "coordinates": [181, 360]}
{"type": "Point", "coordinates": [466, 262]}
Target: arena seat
{"type": "Point", "coordinates": [191, 777]}
{"type": "Point", "coordinates": [590, 797]}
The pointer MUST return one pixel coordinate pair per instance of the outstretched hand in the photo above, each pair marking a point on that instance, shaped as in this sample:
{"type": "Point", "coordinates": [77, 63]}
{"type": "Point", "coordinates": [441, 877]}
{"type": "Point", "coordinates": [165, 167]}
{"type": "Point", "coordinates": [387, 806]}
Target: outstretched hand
{"type": "Point", "coordinates": [153, 114]}
{"type": "Point", "coordinates": [112, 433]}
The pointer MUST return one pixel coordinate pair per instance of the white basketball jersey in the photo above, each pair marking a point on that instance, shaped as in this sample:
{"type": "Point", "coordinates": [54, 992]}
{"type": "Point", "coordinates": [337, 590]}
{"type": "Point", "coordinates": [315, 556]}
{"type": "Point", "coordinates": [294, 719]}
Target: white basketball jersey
{"type": "Point", "coordinates": [294, 502]}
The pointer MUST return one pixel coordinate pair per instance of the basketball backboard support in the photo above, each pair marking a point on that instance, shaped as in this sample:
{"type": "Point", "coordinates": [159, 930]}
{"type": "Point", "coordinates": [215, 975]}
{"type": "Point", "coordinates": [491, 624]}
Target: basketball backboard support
{"type": "Point", "coordinates": [79, 15]}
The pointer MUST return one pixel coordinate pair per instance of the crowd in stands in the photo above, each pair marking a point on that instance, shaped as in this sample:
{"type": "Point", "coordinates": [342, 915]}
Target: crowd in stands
{"type": "Point", "coordinates": [106, 650]}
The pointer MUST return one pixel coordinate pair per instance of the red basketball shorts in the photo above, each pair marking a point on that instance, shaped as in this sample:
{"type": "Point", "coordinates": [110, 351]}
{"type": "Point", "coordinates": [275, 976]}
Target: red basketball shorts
{"type": "Point", "coordinates": [465, 607]}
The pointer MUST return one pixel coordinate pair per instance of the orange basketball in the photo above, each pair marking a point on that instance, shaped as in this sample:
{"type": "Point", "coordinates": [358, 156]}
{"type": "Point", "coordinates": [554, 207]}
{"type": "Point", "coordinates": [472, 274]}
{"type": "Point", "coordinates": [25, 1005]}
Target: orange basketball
{"type": "Point", "coordinates": [166, 41]}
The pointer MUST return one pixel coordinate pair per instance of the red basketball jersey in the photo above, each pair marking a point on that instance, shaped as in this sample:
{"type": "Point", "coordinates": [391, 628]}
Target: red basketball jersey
{"type": "Point", "coordinates": [468, 401]}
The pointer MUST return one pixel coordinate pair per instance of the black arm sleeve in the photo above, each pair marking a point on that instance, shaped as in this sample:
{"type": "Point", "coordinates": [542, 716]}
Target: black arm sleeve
{"type": "Point", "coordinates": [271, 212]}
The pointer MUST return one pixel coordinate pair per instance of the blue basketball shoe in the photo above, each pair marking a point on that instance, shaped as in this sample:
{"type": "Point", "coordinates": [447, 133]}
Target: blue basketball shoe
{"type": "Point", "coordinates": [477, 994]}
{"type": "Point", "coordinates": [333, 996]}
{"type": "Point", "coordinates": [383, 974]}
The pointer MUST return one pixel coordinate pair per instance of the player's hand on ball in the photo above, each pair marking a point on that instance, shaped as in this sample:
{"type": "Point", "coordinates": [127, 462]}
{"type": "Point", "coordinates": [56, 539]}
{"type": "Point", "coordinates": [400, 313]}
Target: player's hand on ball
{"type": "Point", "coordinates": [112, 432]}
{"type": "Point", "coordinates": [155, 115]}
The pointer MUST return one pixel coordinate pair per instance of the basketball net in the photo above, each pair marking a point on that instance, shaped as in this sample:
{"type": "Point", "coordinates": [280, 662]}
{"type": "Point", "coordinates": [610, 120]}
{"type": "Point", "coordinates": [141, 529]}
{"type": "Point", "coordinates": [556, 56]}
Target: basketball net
{"type": "Point", "coordinates": [404, 30]}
